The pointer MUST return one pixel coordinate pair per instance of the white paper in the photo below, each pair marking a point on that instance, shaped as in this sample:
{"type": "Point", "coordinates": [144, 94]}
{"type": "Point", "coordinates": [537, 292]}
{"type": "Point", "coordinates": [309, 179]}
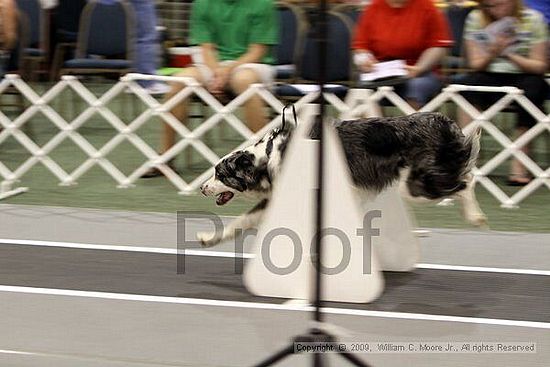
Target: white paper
{"type": "Point", "coordinates": [310, 88]}
{"type": "Point", "coordinates": [385, 69]}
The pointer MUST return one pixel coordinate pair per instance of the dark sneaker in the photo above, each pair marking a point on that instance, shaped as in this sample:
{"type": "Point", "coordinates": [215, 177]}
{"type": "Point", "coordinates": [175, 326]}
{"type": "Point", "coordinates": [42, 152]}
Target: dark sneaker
{"type": "Point", "coordinates": [155, 172]}
{"type": "Point", "coordinates": [516, 179]}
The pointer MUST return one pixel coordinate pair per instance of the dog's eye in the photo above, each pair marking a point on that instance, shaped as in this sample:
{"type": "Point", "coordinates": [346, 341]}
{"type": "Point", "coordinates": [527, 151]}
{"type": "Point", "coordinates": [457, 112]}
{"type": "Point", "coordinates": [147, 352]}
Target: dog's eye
{"type": "Point", "coordinates": [243, 161]}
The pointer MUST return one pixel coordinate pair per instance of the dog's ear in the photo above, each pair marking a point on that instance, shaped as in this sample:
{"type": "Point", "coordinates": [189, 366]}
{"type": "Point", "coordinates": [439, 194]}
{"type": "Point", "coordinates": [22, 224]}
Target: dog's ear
{"type": "Point", "coordinates": [245, 169]}
{"type": "Point", "coordinates": [252, 175]}
{"type": "Point", "coordinates": [287, 124]}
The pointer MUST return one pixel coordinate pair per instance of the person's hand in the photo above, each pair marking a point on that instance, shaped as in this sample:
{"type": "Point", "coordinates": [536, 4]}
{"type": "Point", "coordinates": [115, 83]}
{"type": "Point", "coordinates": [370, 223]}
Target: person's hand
{"type": "Point", "coordinates": [501, 43]}
{"type": "Point", "coordinates": [218, 83]}
{"type": "Point", "coordinates": [412, 71]}
{"type": "Point", "coordinates": [365, 61]}
{"type": "Point", "coordinates": [368, 65]}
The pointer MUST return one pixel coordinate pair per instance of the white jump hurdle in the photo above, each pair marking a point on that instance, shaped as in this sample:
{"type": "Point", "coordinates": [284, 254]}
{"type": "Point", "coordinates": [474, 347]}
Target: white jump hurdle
{"type": "Point", "coordinates": [356, 248]}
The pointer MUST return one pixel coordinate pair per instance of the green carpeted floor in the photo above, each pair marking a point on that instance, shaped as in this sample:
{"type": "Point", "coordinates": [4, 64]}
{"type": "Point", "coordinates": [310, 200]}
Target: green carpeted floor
{"type": "Point", "coordinates": [98, 190]}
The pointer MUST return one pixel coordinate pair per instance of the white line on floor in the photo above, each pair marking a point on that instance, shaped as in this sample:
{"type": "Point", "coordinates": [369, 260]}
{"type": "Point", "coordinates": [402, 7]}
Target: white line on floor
{"type": "Point", "coordinates": [483, 269]}
{"type": "Point", "coordinates": [273, 306]}
{"type": "Point", "coordinates": [4, 351]}
{"type": "Point", "coordinates": [155, 250]}
{"type": "Point", "coordinates": [227, 254]}
{"type": "Point", "coordinates": [87, 357]}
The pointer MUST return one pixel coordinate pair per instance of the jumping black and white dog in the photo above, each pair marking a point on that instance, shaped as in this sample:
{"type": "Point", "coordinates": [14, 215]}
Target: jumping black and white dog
{"type": "Point", "coordinates": [427, 152]}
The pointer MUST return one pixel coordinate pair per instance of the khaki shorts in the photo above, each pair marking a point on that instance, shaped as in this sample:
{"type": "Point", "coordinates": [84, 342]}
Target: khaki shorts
{"type": "Point", "coordinates": [265, 72]}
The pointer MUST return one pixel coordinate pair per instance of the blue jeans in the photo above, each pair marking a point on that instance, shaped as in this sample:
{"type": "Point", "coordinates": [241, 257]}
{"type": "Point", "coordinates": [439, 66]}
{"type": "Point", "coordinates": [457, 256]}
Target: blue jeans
{"type": "Point", "coordinates": [147, 52]}
{"type": "Point", "coordinates": [4, 59]}
{"type": "Point", "coordinates": [147, 46]}
{"type": "Point", "coordinates": [420, 89]}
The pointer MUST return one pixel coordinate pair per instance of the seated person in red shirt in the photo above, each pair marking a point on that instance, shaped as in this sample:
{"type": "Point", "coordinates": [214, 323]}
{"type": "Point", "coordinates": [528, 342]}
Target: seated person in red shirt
{"type": "Point", "coordinates": [411, 30]}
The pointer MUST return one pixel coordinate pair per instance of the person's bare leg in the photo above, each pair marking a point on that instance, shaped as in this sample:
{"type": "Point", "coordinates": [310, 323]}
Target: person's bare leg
{"type": "Point", "coordinates": [518, 172]}
{"type": "Point", "coordinates": [254, 107]}
{"type": "Point", "coordinates": [463, 118]}
{"type": "Point", "coordinates": [168, 138]}
{"type": "Point", "coordinates": [414, 104]}
{"type": "Point", "coordinates": [180, 110]}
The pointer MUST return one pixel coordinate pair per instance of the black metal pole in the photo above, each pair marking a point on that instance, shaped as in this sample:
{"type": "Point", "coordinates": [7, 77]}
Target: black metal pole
{"type": "Point", "coordinates": [315, 335]}
{"type": "Point", "coordinates": [322, 43]}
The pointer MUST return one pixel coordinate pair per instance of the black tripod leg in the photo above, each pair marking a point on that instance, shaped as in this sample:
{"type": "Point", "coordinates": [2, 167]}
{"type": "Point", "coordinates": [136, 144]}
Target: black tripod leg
{"type": "Point", "coordinates": [318, 360]}
{"type": "Point", "coordinates": [354, 360]}
{"type": "Point", "coordinates": [277, 356]}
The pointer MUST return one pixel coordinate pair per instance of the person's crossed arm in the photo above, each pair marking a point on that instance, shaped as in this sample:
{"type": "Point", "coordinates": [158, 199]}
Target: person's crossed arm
{"type": "Point", "coordinates": [428, 60]}
{"type": "Point", "coordinates": [480, 57]}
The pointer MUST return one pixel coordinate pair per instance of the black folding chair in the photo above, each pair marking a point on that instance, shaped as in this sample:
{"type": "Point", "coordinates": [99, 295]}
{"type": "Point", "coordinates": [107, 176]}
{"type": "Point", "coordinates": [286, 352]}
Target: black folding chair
{"type": "Point", "coordinates": [339, 70]}
{"type": "Point", "coordinates": [36, 54]}
{"type": "Point", "coordinates": [106, 40]}
{"type": "Point", "coordinates": [67, 21]}
{"type": "Point", "coordinates": [16, 63]}
{"type": "Point", "coordinates": [292, 27]}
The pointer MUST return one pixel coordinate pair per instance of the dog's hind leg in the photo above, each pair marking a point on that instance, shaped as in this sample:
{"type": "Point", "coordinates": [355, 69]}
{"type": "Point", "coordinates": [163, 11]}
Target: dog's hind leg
{"type": "Point", "coordinates": [242, 223]}
{"type": "Point", "coordinates": [471, 211]}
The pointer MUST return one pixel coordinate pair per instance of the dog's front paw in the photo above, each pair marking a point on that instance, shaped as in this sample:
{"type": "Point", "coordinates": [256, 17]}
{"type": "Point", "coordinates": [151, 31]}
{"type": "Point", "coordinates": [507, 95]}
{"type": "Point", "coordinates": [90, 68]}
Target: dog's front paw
{"type": "Point", "coordinates": [479, 220]}
{"type": "Point", "coordinates": [208, 239]}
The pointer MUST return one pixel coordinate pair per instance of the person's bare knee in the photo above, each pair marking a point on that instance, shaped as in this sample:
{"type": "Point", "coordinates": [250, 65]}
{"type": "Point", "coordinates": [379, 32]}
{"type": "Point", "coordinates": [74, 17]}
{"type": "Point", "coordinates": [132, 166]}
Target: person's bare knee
{"type": "Point", "coordinates": [191, 72]}
{"type": "Point", "coordinates": [254, 112]}
{"type": "Point", "coordinates": [242, 79]}
{"type": "Point", "coordinates": [180, 110]}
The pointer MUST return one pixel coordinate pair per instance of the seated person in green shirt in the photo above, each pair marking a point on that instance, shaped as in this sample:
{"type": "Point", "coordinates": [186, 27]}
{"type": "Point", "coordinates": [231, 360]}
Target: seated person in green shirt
{"type": "Point", "coordinates": [235, 38]}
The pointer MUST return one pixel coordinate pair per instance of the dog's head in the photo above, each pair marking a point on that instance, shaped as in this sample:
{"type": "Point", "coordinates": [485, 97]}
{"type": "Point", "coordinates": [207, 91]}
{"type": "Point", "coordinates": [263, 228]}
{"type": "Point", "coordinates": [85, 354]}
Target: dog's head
{"type": "Point", "coordinates": [443, 168]}
{"type": "Point", "coordinates": [249, 171]}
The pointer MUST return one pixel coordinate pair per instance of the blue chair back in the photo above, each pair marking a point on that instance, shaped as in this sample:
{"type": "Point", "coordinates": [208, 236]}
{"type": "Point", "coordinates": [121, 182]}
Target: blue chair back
{"type": "Point", "coordinates": [354, 14]}
{"type": "Point", "coordinates": [291, 25]}
{"type": "Point", "coordinates": [35, 15]}
{"type": "Point", "coordinates": [352, 11]}
{"type": "Point", "coordinates": [107, 29]}
{"type": "Point", "coordinates": [338, 51]}
{"type": "Point", "coordinates": [456, 16]}
{"type": "Point", "coordinates": [68, 15]}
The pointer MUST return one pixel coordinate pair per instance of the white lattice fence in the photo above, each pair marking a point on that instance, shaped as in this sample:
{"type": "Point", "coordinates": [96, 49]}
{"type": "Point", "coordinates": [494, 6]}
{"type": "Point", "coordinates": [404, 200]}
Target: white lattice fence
{"type": "Point", "coordinates": [125, 131]}
{"type": "Point", "coordinates": [359, 102]}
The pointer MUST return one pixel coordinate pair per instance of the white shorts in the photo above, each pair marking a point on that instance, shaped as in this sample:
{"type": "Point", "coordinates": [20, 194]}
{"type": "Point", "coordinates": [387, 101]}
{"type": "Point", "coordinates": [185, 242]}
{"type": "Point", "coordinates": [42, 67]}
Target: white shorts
{"type": "Point", "coordinates": [265, 72]}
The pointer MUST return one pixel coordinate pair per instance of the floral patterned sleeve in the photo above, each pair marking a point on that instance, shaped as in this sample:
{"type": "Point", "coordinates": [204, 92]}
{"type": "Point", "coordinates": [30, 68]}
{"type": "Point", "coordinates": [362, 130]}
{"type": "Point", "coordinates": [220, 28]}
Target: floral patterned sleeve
{"type": "Point", "coordinates": [472, 25]}
{"type": "Point", "coordinates": [538, 26]}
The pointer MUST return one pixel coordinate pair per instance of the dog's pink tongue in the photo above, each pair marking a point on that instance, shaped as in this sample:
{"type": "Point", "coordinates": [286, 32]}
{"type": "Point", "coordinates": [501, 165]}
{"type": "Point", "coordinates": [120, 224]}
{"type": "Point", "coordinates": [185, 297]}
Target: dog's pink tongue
{"type": "Point", "coordinates": [224, 197]}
